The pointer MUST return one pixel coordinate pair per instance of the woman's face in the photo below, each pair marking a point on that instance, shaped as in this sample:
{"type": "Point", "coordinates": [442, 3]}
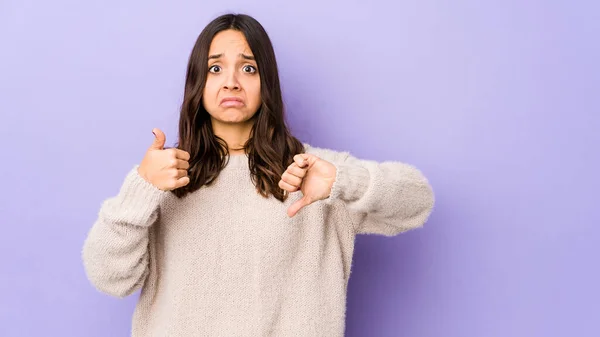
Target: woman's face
{"type": "Point", "coordinates": [232, 90]}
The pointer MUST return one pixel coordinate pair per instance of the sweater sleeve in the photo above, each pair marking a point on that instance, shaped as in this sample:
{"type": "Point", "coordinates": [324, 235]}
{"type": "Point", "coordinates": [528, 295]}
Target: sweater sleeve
{"type": "Point", "coordinates": [115, 252]}
{"type": "Point", "coordinates": [384, 198]}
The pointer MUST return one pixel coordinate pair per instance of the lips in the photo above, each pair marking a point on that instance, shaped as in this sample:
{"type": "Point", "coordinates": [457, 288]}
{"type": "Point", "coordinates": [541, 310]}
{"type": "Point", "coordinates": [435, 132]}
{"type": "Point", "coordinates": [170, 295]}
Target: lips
{"type": "Point", "coordinates": [229, 102]}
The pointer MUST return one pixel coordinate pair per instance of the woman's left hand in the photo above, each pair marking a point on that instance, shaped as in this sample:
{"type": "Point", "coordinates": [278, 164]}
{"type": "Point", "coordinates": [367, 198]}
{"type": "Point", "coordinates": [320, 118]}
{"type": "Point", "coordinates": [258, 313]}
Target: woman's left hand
{"type": "Point", "coordinates": [311, 175]}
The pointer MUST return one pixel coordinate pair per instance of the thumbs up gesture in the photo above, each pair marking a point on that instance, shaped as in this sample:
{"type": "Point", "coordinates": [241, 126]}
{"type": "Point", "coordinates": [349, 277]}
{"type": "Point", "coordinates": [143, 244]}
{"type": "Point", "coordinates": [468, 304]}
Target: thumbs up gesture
{"type": "Point", "coordinates": [164, 168]}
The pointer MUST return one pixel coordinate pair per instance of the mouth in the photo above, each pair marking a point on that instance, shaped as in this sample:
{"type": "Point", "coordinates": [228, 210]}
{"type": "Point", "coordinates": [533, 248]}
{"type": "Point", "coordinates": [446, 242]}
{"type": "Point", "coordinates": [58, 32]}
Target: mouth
{"type": "Point", "coordinates": [232, 102]}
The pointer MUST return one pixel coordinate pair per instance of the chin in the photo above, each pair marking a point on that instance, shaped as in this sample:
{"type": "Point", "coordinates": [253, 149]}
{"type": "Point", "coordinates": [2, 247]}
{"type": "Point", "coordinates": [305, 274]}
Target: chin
{"type": "Point", "coordinates": [234, 117]}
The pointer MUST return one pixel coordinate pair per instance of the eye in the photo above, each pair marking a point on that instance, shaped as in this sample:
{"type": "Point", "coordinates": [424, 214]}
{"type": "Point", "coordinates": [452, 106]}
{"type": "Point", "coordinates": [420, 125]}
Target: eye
{"type": "Point", "coordinates": [249, 69]}
{"type": "Point", "coordinates": [214, 69]}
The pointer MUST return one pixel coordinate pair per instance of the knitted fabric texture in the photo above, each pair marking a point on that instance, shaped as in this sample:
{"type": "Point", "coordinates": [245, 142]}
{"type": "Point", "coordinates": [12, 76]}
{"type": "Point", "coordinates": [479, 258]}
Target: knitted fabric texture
{"type": "Point", "coordinates": [225, 261]}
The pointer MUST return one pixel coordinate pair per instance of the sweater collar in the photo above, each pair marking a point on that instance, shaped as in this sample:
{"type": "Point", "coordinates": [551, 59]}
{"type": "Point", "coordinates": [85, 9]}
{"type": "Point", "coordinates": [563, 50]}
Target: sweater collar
{"type": "Point", "coordinates": [238, 160]}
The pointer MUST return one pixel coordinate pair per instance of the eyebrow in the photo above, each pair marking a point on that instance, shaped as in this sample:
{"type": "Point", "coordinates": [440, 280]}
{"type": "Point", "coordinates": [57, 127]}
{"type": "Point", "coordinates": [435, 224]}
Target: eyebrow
{"type": "Point", "coordinates": [244, 56]}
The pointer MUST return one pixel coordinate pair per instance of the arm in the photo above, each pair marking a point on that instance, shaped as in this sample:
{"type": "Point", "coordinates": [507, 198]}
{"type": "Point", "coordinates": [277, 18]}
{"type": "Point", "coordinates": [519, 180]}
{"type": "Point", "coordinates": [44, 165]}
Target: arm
{"type": "Point", "coordinates": [115, 252]}
{"type": "Point", "coordinates": [382, 198]}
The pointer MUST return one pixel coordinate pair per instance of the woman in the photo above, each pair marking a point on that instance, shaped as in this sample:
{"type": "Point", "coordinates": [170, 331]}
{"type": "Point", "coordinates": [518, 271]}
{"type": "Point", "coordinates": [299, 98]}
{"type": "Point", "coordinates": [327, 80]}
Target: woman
{"type": "Point", "coordinates": [242, 230]}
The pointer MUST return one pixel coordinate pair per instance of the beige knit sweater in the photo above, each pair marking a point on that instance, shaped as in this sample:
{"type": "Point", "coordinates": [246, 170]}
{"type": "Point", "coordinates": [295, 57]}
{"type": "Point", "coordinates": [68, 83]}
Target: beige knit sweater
{"type": "Point", "coordinates": [224, 261]}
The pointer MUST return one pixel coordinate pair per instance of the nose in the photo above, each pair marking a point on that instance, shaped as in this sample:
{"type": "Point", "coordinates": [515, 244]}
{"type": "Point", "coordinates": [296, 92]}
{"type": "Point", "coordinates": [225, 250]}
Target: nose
{"type": "Point", "coordinates": [231, 81]}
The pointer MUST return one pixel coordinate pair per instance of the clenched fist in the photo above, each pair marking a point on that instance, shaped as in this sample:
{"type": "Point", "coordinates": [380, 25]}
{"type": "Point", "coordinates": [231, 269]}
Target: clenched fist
{"type": "Point", "coordinates": [311, 175]}
{"type": "Point", "coordinates": [164, 168]}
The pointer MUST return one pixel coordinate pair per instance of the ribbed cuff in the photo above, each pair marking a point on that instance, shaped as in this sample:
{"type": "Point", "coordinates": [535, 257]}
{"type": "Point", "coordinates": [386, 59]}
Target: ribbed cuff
{"type": "Point", "coordinates": [351, 183]}
{"type": "Point", "coordinates": [139, 198]}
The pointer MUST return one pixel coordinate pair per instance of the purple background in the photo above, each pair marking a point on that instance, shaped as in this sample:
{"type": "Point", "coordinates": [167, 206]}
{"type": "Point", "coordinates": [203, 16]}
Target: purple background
{"type": "Point", "coordinates": [497, 103]}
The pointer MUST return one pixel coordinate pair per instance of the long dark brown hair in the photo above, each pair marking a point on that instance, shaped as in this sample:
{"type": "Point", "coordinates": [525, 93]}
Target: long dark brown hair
{"type": "Point", "coordinates": [270, 148]}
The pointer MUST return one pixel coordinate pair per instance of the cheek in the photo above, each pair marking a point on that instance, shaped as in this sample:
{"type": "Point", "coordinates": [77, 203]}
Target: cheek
{"type": "Point", "coordinates": [254, 91]}
{"type": "Point", "coordinates": [210, 88]}
{"type": "Point", "coordinates": [208, 98]}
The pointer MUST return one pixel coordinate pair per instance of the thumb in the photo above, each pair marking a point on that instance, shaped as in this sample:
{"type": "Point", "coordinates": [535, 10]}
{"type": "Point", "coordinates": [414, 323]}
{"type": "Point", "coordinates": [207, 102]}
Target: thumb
{"type": "Point", "coordinates": [298, 205]}
{"type": "Point", "coordinates": [159, 139]}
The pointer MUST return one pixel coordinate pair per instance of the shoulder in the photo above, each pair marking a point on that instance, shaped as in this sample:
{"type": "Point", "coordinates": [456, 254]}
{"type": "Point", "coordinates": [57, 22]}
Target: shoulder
{"type": "Point", "coordinates": [326, 153]}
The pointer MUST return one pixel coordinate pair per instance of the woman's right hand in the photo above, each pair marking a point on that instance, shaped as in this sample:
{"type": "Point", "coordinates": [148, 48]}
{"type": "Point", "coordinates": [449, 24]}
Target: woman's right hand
{"type": "Point", "coordinates": [164, 168]}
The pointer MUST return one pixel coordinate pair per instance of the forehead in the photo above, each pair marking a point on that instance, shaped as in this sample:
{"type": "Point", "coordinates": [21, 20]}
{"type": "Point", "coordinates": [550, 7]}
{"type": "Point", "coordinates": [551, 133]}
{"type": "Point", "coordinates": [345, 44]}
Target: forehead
{"type": "Point", "coordinates": [229, 42]}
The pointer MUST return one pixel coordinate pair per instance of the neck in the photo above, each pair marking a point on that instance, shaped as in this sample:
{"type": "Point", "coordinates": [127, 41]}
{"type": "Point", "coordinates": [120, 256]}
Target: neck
{"type": "Point", "coordinates": [234, 134]}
